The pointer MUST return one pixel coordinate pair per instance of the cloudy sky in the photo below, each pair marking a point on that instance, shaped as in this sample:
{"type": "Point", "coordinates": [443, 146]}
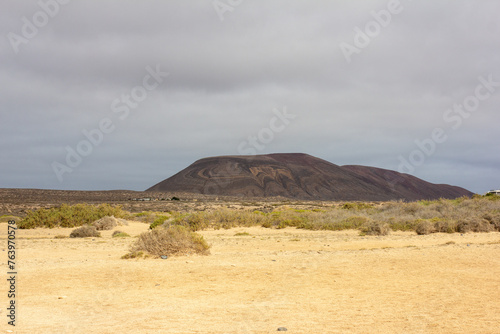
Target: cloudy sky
{"type": "Point", "coordinates": [99, 95]}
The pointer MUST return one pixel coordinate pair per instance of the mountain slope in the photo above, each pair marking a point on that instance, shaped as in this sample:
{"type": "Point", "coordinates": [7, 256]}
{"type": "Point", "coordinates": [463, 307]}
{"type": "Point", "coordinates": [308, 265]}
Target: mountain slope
{"type": "Point", "coordinates": [300, 176]}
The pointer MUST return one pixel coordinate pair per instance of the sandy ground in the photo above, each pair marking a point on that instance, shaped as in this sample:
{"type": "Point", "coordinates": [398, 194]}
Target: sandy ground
{"type": "Point", "coordinates": [306, 281]}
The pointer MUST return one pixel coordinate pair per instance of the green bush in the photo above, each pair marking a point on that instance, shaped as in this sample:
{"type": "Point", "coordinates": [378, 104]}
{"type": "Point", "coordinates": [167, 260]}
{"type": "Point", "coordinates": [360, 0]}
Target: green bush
{"type": "Point", "coordinates": [159, 220]}
{"type": "Point", "coordinates": [356, 206]}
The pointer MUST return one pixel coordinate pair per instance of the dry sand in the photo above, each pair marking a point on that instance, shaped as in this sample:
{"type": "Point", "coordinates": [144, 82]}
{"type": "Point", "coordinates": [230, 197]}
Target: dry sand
{"type": "Point", "coordinates": [306, 281]}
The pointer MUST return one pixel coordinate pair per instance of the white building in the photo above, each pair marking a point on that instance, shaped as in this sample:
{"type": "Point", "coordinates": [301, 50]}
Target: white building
{"type": "Point", "coordinates": [496, 192]}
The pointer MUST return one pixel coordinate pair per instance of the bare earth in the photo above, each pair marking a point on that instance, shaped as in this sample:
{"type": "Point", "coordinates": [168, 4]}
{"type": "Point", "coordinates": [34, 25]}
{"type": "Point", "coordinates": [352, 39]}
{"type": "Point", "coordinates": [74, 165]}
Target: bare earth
{"type": "Point", "coordinates": [306, 281]}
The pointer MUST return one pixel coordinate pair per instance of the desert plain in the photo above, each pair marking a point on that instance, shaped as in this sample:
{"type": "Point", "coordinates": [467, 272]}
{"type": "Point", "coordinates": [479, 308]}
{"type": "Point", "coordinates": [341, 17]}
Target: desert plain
{"type": "Point", "coordinates": [256, 280]}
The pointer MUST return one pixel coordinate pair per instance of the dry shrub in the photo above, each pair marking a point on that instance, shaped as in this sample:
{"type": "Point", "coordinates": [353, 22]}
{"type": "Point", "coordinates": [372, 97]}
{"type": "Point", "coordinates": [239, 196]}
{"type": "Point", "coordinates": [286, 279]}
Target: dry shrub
{"type": "Point", "coordinates": [463, 226]}
{"type": "Point", "coordinates": [376, 228]}
{"type": "Point", "coordinates": [174, 240]}
{"type": "Point", "coordinates": [106, 223]}
{"type": "Point", "coordinates": [357, 221]}
{"type": "Point", "coordinates": [412, 208]}
{"type": "Point", "coordinates": [445, 226]}
{"type": "Point", "coordinates": [85, 231]}
{"type": "Point", "coordinates": [267, 224]}
{"type": "Point", "coordinates": [425, 227]}
{"type": "Point", "coordinates": [474, 225]}
{"type": "Point", "coordinates": [493, 219]}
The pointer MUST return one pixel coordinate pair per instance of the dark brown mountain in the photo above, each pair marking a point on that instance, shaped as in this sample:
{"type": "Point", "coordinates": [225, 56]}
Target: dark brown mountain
{"type": "Point", "coordinates": [300, 176]}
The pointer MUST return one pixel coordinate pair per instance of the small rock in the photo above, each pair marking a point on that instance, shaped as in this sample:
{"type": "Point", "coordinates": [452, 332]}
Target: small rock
{"type": "Point", "coordinates": [164, 257]}
{"type": "Point", "coordinates": [63, 297]}
{"type": "Point", "coordinates": [282, 329]}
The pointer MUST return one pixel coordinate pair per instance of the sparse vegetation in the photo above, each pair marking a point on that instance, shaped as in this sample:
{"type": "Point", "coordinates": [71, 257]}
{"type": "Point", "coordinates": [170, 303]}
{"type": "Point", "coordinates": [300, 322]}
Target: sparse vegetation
{"type": "Point", "coordinates": [85, 232]}
{"type": "Point", "coordinates": [477, 214]}
{"type": "Point", "coordinates": [174, 240]}
{"type": "Point", "coordinates": [438, 216]}
{"type": "Point", "coordinates": [120, 234]}
{"type": "Point", "coordinates": [6, 218]}
{"type": "Point", "coordinates": [70, 215]}
{"type": "Point", "coordinates": [356, 206]}
{"type": "Point", "coordinates": [133, 255]}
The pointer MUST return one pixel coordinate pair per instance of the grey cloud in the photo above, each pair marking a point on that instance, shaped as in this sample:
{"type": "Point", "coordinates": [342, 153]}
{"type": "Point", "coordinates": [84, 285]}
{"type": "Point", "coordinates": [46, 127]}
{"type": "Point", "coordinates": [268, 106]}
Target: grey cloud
{"type": "Point", "coordinates": [226, 78]}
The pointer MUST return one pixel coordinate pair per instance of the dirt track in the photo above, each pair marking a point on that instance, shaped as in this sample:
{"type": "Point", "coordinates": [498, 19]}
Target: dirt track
{"type": "Point", "coordinates": [306, 281]}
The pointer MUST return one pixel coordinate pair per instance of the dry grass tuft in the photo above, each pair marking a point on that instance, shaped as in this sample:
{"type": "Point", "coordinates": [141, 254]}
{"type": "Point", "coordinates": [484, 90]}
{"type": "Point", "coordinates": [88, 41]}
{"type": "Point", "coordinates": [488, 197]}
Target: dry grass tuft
{"type": "Point", "coordinates": [174, 240]}
{"type": "Point", "coordinates": [134, 255]}
{"type": "Point", "coordinates": [120, 234]}
{"type": "Point", "coordinates": [376, 228]}
{"type": "Point", "coordinates": [85, 232]}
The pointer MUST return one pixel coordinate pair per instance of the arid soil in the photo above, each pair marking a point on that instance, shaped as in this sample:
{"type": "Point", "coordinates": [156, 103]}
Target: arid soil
{"type": "Point", "coordinates": [306, 281]}
{"type": "Point", "coordinates": [17, 202]}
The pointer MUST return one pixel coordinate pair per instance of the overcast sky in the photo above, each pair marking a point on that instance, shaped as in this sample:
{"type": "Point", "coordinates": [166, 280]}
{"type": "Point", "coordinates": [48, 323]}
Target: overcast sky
{"type": "Point", "coordinates": [351, 82]}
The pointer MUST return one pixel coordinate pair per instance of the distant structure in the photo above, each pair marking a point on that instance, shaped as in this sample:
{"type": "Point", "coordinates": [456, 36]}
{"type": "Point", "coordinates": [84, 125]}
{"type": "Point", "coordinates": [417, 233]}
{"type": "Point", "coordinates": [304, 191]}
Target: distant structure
{"type": "Point", "coordinates": [493, 192]}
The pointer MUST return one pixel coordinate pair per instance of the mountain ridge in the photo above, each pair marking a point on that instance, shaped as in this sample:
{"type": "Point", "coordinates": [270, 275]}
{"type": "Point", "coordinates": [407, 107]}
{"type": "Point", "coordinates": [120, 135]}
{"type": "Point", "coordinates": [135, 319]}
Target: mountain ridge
{"type": "Point", "coordinates": [300, 176]}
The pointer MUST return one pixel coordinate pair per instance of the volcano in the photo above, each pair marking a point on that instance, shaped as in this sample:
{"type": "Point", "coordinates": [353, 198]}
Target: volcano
{"type": "Point", "coordinates": [300, 176]}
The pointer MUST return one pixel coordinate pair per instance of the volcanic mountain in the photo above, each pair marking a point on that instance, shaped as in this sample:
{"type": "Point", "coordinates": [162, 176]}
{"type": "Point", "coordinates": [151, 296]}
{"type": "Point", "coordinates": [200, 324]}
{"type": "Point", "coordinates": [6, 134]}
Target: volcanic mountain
{"type": "Point", "coordinates": [300, 176]}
